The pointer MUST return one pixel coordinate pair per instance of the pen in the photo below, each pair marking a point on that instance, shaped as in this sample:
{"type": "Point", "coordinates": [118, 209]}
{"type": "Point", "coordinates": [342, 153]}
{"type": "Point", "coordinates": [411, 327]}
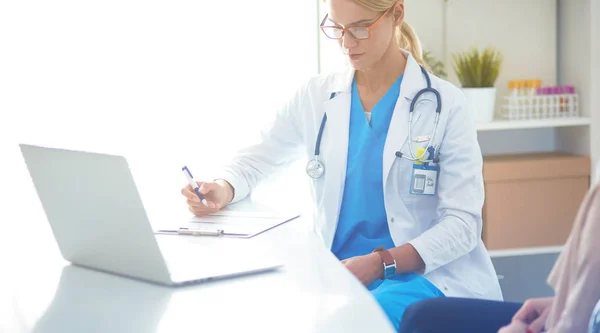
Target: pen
{"type": "Point", "coordinates": [192, 232]}
{"type": "Point", "coordinates": [193, 184]}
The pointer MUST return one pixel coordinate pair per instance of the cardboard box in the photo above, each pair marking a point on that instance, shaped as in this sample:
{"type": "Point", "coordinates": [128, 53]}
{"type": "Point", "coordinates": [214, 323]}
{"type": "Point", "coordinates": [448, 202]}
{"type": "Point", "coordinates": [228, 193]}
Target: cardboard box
{"type": "Point", "coordinates": [532, 199]}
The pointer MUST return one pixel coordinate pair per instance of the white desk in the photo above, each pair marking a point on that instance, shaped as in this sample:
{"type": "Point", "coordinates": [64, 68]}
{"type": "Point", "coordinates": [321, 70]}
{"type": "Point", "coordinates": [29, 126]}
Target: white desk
{"type": "Point", "coordinates": [312, 293]}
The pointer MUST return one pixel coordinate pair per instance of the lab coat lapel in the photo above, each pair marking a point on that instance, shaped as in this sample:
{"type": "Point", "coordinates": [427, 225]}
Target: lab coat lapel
{"type": "Point", "coordinates": [412, 82]}
{"type": "Point", "coordinates": [334, 148]}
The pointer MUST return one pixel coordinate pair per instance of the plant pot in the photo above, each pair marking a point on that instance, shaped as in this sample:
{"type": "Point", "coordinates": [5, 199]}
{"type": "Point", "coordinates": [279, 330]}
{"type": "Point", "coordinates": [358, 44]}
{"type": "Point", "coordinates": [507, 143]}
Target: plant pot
{"type": "Point", "coordinates": [483, 102]}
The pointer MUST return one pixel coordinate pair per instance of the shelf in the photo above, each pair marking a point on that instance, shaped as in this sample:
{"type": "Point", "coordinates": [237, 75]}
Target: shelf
{"type": "Point", "coordinates": [499, 125]}
{"type": "Point", "coordinates": [525, 251]}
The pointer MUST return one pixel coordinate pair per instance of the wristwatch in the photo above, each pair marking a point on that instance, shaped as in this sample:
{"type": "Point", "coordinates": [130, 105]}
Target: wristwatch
{"type": "Point", "coordinates": [389, 264]}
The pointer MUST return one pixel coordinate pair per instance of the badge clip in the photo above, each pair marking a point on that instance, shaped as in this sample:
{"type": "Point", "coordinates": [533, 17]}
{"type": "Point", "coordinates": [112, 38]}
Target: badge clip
{"type": "Point", "coordinates": [421, 138]}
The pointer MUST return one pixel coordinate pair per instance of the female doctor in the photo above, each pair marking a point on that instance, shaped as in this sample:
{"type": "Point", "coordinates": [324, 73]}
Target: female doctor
{"type": "Point", "coordinates": [394, 164]}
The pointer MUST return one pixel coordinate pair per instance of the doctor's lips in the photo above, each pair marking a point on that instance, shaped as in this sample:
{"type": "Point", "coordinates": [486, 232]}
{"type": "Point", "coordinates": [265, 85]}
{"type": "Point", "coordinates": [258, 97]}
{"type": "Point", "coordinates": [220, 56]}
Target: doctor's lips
{"type": "Point", "coordinates": [355, 56]}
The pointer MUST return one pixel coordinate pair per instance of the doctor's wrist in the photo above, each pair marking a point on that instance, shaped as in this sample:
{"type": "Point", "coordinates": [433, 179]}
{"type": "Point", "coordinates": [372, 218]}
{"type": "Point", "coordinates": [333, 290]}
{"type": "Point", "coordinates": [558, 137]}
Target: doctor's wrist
{"type": "Point", "coordinates": [377, 265]}
{"type": "Point", "coordinates": [229, 191]}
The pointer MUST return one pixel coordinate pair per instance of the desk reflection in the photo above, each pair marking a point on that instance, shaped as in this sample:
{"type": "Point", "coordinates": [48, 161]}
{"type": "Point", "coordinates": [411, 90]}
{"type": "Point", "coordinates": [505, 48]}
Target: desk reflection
{"type": "Point", "coordinates": [91, 301]}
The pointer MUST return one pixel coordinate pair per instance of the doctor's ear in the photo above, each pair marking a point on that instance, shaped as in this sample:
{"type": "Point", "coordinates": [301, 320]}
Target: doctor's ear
{"type": "Point", "coordinates": [398, 12]}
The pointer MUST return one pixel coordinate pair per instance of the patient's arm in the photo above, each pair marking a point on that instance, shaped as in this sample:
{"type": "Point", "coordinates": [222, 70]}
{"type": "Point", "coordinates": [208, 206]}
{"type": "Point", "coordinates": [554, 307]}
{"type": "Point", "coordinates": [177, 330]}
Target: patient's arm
{"type": "Point", "coordinates": [581, 270]}
{"type": "Point", "coordinates": [514, 327]}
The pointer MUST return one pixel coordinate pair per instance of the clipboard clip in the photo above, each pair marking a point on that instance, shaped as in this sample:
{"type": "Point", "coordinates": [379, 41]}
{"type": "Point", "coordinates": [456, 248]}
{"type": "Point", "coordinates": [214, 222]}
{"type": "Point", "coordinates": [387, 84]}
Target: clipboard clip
{"type": "Point", "coordinates": [192, 232]}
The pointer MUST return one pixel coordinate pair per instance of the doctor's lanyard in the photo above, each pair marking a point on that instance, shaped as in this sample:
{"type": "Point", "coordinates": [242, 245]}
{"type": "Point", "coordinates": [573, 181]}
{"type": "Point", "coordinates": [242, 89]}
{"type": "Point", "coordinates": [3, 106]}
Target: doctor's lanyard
{"type": "Point", "coordinates": [315, 167]}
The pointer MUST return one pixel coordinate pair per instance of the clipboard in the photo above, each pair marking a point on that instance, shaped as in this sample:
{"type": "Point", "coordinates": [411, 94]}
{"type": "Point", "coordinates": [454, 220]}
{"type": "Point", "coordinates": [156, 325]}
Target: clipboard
{"type": "Point", "coordinates": [232, 224]}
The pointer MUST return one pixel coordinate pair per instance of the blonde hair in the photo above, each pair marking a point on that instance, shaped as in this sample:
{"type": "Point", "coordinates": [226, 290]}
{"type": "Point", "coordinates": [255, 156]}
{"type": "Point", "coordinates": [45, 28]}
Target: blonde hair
{"type": "Point", "coordinates": [405, 35]}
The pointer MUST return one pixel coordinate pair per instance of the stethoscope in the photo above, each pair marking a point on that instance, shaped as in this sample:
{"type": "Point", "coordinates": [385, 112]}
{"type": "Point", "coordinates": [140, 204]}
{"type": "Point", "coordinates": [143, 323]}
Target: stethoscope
{"type": "Point", "coordinates": [315, 167]}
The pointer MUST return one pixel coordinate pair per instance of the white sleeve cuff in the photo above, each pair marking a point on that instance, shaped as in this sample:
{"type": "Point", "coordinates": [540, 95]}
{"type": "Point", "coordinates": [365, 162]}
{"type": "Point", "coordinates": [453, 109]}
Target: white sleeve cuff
{"type": "Point", "coordinates": [239, 184]}
{"type": "Point", "coordinates": [420, 246]}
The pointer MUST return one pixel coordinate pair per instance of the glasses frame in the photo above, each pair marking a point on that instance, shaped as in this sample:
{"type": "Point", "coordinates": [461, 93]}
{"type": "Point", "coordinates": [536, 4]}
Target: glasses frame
{"type": "Point", "coordinates": [347, 29]}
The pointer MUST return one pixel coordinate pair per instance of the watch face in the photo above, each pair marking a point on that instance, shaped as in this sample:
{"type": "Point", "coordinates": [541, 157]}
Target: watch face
{"type": "Point", "coordinates": [389, 272]}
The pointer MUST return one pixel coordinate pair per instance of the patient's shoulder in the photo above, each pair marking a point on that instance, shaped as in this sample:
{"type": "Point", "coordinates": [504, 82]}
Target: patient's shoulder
{"type": "Point", "coordinates": [593, 202]}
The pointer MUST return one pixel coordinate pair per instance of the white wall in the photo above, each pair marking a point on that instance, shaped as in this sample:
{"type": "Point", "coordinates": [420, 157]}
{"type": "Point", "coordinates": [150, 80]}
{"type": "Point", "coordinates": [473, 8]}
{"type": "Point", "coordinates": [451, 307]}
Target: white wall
{"type": "Point", "coordinates": [595, 85]}
{"type": "Point", "coordinates": [579, 51]}
{"type": "Point", "coordinates": [429, 19]}
{"type": "Point", "coordinates": [450, 26]}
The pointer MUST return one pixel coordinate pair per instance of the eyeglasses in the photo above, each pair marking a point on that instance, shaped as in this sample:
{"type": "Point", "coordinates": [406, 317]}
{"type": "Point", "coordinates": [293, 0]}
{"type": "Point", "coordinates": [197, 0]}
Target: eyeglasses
{"type": "Point", "coordinates": [358, 32]}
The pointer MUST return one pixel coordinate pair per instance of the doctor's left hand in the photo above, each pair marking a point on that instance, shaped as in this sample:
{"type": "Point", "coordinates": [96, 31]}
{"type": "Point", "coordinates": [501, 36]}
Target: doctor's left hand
{"type": "Point", "coordinates": [367, 268]}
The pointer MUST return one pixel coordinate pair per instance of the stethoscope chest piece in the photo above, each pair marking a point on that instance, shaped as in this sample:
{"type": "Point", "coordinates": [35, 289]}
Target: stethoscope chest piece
{"type": "Point", "coordinates": [315, 168]}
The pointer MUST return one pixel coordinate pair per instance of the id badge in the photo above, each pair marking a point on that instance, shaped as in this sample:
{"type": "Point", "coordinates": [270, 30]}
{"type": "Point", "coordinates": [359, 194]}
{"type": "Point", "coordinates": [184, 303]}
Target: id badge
{"type": "Point", "coordinates": [424, 179]}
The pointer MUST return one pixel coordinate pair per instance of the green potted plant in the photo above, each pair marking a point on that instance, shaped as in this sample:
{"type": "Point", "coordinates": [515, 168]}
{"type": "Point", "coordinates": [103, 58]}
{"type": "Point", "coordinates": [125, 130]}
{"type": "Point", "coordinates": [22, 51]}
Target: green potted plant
{"type": "Point", "coordinates": [477, 72]}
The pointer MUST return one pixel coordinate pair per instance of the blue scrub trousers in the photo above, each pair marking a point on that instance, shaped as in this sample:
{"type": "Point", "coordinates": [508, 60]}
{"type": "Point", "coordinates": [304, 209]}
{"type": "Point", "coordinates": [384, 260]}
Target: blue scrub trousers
{"type": "Point", "coordinates": [394, 296]}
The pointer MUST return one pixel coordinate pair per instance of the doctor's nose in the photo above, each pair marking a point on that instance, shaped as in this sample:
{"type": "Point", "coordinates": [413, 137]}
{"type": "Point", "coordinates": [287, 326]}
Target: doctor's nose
{"type": "Point", "coordinates": [348, 42]}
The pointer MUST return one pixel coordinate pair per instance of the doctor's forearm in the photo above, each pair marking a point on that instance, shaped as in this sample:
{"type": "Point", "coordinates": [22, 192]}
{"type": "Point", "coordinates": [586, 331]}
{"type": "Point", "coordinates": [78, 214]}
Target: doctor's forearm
{"type": "Point", "coordinates": [407, 259]}
{"type": "Point", "coordinates": [453, 237]}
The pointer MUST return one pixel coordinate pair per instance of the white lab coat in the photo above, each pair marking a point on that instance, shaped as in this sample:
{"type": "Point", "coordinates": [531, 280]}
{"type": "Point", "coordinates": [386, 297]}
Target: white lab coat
{"type": "Point", "coordinates": [445, 229]}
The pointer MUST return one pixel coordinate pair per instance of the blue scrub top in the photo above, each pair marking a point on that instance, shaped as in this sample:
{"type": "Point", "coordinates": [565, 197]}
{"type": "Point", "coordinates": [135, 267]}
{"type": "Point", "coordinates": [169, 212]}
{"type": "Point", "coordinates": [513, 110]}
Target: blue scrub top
{"type": "Point", "coordinates": [362, 225]}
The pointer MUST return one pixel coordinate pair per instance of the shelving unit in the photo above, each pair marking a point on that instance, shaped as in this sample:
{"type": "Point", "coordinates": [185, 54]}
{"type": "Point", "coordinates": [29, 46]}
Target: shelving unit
{"type": "Point", "coordinates": [568, 41]}
{"type": "Point", "coordinates": [499, 125]}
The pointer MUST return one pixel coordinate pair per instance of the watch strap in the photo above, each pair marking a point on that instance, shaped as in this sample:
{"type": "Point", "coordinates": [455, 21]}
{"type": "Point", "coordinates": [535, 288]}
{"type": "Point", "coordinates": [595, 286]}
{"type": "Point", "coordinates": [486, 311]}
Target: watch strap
{"type": "Point", "coordinates": [389, 264]}
{"type": "Point", "coordinates": [385, 255]}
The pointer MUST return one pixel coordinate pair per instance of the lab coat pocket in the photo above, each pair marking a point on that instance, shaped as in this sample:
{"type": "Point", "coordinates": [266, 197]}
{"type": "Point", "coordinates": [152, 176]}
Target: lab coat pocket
{"type": "Point", "coordinates": [399, 177]}
{"type": "Point", "coordinates": [423, 132]}
{"type": "Point", "coordinates": [404, 173]}
{"type": "Point", "coordinates": [420, 136]}
{"type": "Point", "coordinates": [420, 209]}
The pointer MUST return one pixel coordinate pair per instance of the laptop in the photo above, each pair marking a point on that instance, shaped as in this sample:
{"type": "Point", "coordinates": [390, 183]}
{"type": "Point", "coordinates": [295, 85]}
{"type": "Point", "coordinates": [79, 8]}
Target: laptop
{"type": "Point", "coordinates": [99, 222]}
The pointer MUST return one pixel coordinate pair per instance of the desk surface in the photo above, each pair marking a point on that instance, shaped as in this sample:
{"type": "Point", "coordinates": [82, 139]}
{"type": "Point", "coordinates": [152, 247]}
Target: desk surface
{"type": "Point", "coordinates": [313, 292]}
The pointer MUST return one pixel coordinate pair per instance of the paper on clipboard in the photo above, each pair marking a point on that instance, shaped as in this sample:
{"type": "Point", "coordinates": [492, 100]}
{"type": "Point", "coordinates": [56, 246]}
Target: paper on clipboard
{"type": "Point", "coordinates": [239, 224]}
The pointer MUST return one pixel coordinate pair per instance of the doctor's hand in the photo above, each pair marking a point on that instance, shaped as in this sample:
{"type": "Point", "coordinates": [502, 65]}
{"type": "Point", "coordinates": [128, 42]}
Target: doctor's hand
{"type": "Point", "coordinates": [367, 268]}
{"type": "Point", "coordinates": [218, 194]}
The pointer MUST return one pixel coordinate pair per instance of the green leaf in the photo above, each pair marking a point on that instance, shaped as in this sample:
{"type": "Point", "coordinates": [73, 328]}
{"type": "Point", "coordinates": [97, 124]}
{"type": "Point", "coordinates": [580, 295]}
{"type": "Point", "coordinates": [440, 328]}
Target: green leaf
{"type": "Point", "coordinates": [476, 69]}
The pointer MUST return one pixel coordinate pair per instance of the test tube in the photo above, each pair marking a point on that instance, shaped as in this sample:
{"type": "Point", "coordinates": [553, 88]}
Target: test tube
{"type": "Point", "coordinates": [513, 95]}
